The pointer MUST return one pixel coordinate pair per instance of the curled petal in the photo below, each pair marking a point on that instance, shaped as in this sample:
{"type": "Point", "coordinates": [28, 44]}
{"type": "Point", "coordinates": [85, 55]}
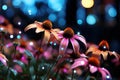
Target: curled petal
{"type": "Point", "coordinates": [103, 73]}
{"type": "Point", "coordinates": [93, 69]}
{"type": "Point", "coordinates": [75, 45]}
{"type": "Point", "coordinates": [46, 37]}
{"type": "Point", "coordinates": [39, 29]}
{"type": "Point", "coordinates": [3, 61]}
{"type": "Point", "coordinates": [63, 45]}
{"type": "Point", "coordinates": [30, 26]}
{"type": "Point", "coordinates": [79, 62]}
{"type": "Point", "coordinates": [105, 70]}
{"type": "Point", "coordinates": [3, 56]}
{"type": "Point", "coordinates": [81, 38]}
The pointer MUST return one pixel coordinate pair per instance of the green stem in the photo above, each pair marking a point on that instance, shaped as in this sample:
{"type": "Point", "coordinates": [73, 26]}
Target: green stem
{"type": "Point", "coordinates": [72, 74]}
{"type": "Point", "coordinates": [86, 75]}
{"type": "Point", "coordinates": [51, 67]}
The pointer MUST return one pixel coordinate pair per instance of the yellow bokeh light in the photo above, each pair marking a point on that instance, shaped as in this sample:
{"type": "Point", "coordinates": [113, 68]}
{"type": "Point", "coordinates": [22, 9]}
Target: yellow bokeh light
{"type": "Point", "coordinates": [87, 3]}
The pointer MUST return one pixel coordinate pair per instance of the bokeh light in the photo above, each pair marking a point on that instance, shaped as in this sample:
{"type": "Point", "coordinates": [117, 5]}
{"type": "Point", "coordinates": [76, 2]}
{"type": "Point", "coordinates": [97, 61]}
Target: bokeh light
{"type": "Point", "coordinates": [56, 5]}
{"type": "Point", "coordinates": [79, 21]}
{"type": "Point", "coordinates": [29, 2]}
{"type": "Point", "coordinates": [18, 36]}
{"type": "Point", "coordinates": [87, 3]}
{"type": "Point", "coordinates": [111, 11]}
{"type": "Point", "coordinates": [91, 19]}
{"type": "Point", "coordinates": [4, 7]}
{"type": "Point", "coordinates": [61, 22]}
{"type": "Point", "coordinates": [29, 10]}
{"type": "Point", "coordinates": [52, 17]}
{"type": "Point", "coordinates": [16, 3]}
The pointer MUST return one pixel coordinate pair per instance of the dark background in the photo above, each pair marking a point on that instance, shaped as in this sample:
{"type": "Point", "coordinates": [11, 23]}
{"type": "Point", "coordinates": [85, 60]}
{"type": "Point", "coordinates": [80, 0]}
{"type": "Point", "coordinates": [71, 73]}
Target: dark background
{"type": "Point", "coordinates": [104, 28]}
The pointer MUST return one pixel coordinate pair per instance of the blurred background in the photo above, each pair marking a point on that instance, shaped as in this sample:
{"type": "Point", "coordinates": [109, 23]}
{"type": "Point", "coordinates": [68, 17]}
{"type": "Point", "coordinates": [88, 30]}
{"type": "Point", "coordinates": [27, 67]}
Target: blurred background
{"type": "Point", "coordinates": [94, 19]}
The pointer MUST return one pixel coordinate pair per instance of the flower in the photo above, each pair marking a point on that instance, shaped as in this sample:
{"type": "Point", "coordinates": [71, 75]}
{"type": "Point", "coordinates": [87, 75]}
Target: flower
{"type": "Point", "coordinates": [101, 50]}
{"type": "Point", "coordinates": [67, 36]}
{"type": "Point", "coordinates": [94, 66]}
{"type": "Point", "coordinates": [3, 59]}
{"type": "Point", "coordinates": [46, 27]}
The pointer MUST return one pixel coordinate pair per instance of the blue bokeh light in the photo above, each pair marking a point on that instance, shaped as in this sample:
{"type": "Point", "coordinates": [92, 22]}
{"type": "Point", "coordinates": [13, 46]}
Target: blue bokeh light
{"type": "Point", "coordinates": [112, 12]}
{"type": "Point", "coordinates": [81, 13]}
{"type": "Point", "coordinates": [52, 17]}
{"type": "Point", "coordinates": [79, 21]}
{"type": "Point", "coordinates": [91, 19]}
{"type": "Point", "coordinates": [18, 36]}
{"type": "Point", "coordinates": [56, 5]}
{"type": "Point", "coordinates": [61, 22]}
{"type": "Point", "coordinates": [29, 10]}
{"type": "Point", "coordinates": [4, 7]}
{"type": "Point", "coordinates": [16, 3]}
{"type": "Point", "coordinates": [29, 2]}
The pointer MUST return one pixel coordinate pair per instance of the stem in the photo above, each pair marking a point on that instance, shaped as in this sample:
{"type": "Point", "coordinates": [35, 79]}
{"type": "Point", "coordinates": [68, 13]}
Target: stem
{"type": "Point", "coordinates": [72, 74]}
{"type": "Point", "coordinates": [51, 67]}
{"type": "Point", "coordinates": [86, 75]}
{"type": "Point", "coordinates": [2, 42]}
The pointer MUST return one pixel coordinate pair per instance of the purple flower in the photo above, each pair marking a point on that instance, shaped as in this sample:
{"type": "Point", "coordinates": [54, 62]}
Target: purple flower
{"type": "Point", "coordinates": [67, 36]}
{"type": "Point", "coordinates": [93, 65]}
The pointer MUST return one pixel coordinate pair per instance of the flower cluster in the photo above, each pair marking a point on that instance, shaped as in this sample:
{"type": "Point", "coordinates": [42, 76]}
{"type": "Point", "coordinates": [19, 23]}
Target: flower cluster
{"type": "Point", "coordinates": [56, 56]}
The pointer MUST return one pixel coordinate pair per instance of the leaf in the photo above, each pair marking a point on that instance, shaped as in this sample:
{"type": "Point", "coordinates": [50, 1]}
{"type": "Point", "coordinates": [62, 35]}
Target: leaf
{"type": "Point", "coordinates": [31, 69]}
{"type": "Point", "coordinates": [13, 71]}
{"type": "Point", "coordinates": [28, 53]}
{"type": "Point", "coordinates": [20, 63]}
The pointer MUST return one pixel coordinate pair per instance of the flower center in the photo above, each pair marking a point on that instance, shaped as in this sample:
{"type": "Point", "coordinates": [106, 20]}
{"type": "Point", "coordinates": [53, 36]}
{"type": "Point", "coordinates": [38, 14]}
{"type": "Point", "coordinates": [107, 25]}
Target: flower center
{"type": "Point", "coordinates": [40, 50]}
{"type": "Point", "coordinates": [68, 32]}
{"type": "Point", "coordinates": [47, 24]}
{"type": "Point", "coordinates": [103, 45]}
{"type": "Point", "coordinates": [94, 61]}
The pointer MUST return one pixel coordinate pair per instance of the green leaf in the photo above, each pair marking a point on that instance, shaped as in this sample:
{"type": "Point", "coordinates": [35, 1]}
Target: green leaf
{"type": "Point", "coordinates": [28, 53]}
{"type": "Point", "coordinates": [20, 63]}
{"type": "Point", "coordinates": [30, 56]}
{"type": "Point", "coordinates": [31, 69]}
{"type": "Point", "coordinates": [13, 71]}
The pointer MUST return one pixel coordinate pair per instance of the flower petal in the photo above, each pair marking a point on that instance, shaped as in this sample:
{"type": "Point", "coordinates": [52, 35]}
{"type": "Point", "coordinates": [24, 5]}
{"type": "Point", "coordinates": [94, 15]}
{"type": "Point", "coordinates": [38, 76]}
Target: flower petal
{"type": "Point", "coordinates": [75, 45]}
{"type": "Point", "coordinates": [3, 61]}
{"type": "Point", "coordinates": [21, 50]}
{"type": "Point", "coordinates": [106, 71]}
{"type": "Point", "coordinates": [39, 29]}
{"type": "Point", "coordinates": [55, 34]}
{"type": "Point", "coordinates": [81, 38]}
{"type": "Point", "coordinates": [102, 73]}
{"type": "Point", "coordinates": [79, 62]}
{"type": "Point", "coordinates": [93, 69]}
{"type": "Point", "coordinates": [30, 26]}
{"type": "Point", "coordinates": [63, 45]}
{"type": "Point", "coordinates": [9, 45]}
{"type": "Point", "coordinates": [46, 37]}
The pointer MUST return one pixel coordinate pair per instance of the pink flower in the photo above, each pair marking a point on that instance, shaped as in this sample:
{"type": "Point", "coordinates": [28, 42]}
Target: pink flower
{"type": "Point", "coordinates": [3, 59]}
{"type": "Point", "coordinates": [93, 65]}
{"type": "Point", "coordinates": [67, 36]}
{"type": "Point", "coordinates": [45, 27]}
{"type": "Point", "coordinates": [18, 47]}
